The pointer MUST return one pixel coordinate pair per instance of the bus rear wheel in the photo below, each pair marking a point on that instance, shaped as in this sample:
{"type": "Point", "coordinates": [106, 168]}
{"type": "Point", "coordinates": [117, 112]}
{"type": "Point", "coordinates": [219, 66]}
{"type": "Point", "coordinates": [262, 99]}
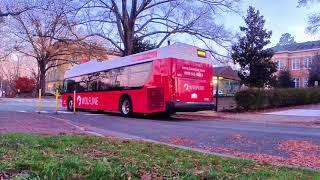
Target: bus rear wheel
{"type": "Point", "coordinates": [125, 107]}
{"type": "Point", "coordinates": [70, 104]}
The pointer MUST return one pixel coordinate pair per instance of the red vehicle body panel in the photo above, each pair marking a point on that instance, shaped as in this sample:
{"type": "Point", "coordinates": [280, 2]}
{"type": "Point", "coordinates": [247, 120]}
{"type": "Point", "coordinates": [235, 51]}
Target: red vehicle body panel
{"type": "Point", "coordinates": [171, 80]}
{"type": "Point", "coordinates": [193, 81]}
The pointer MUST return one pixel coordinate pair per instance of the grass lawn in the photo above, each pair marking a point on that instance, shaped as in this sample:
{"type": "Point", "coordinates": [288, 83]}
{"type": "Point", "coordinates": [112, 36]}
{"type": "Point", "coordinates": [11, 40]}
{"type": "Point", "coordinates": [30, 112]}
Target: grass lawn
{"type": "Point", "coordinates": [83, 157]}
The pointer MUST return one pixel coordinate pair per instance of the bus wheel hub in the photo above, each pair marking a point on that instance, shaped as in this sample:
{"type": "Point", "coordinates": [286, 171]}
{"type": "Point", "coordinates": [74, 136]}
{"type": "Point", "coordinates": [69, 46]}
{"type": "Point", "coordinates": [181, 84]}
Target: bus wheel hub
{"type": "Point", "coordinates": [125, 107]}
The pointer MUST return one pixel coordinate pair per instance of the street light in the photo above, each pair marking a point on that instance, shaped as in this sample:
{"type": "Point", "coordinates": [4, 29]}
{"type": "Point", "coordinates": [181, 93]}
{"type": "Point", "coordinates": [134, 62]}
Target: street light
{"type": "Point", "coordinates": [215, 81]}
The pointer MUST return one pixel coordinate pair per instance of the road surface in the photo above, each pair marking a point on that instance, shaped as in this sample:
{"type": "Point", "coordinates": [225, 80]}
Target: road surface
{"type": "Point", "coordinates": [272, 143]}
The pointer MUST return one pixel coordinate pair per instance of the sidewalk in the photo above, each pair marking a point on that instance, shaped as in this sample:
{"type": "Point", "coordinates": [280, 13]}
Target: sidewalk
{"type": "Point", "coordinates": [11, 122]}
{"type": "Point", "coordinates": [258, 117]}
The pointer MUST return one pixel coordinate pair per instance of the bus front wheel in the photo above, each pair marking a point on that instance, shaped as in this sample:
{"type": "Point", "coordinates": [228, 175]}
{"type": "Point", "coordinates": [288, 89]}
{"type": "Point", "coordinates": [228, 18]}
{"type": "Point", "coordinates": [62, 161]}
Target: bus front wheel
{"type": "Point", "coordinates": [70, 104]}
{"type": "Point", "coordinates": [125, 106]}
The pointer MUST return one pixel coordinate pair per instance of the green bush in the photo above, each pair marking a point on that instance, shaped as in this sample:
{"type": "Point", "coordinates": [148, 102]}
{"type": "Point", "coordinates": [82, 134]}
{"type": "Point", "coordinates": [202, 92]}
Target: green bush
{"type": "Point", "coordinates": [254, 99]}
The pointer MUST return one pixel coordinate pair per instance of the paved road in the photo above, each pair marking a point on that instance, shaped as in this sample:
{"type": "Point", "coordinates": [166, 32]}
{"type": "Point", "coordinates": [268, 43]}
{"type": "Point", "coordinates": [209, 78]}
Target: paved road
{"type": "Point", "coordinates": [28, 105]}
{"type": "Point", "coordinates": [261, 141]}
{"type": "Point", "coordinates": [202, 132]}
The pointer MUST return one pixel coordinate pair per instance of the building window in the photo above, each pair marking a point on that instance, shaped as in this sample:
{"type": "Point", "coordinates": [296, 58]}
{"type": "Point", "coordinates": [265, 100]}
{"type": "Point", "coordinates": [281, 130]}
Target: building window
{"type": "Point", "coordinates": [307, 63]}
{"type": "Point", "coordinates": [296, 82]}
{"type": "Point", "coordinates": [280, 65]}
{"type": "Point", "coordinates": [295, 64]}
{"type": "Point", "coordinates": [306, 82]}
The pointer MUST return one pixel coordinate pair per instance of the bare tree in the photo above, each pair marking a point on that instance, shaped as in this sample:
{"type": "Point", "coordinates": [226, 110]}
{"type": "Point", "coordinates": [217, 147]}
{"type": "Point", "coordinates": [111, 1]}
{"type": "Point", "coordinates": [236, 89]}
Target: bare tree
{"type": "Point", "coordinates": [314, 19]}
{"type": "Point", "coordinates": [119, 22]}
{"type": "Point", "coordinates": [14, 8]}
{"type": "Point", "coordinates": [15, 66]}
{"type": "Point", "coordinates": [314, 71]}
{"type": "Point", "coordinates": [10, 71]}
{"type": "Point", "coordinates": [9, 8]}
{"type": "Point", "coordinates": [45, 34]}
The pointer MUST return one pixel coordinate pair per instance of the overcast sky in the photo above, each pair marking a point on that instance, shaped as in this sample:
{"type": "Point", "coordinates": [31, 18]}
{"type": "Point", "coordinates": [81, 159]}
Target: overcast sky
{"type": "Point", "coordinates": [281, 16]}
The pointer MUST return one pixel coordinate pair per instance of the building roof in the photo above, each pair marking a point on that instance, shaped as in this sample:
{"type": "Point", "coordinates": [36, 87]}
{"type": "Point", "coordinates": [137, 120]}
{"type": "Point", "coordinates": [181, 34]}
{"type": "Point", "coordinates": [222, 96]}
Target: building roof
{"type": "Point", "coordinates": [297, 46]}
{"type": "Point", "coordinates": [225, 72]}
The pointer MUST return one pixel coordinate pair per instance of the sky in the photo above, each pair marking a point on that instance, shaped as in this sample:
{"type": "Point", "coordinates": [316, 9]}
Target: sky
{"type": "Point", "coordinates": [282, 16]}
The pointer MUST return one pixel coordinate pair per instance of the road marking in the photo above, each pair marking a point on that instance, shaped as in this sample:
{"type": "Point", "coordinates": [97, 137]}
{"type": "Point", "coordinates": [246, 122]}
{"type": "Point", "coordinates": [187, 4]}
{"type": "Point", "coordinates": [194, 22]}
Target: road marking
{"type": "Point", "coordinates": [65, 112]}
{"type": "Point", "coordinates": [44, 112]}
{"type": "Point", "coordinates": [93, 114]}
{"type": "Point", "coordinates": [22, 111]}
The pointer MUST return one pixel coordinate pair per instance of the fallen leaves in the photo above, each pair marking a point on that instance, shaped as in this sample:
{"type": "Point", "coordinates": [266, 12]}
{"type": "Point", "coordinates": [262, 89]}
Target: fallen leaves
{"type": "Point", "coordinates": [14, 175]}
{"type": "Point", "coordinates": [146, 176]}
{"type": "Point", "coordinates": [301, 153]}
{"type": "Point", "coordinates": [241, 139]}
{"type": "Point", "coordinates": [299, 146]}
{"type": "Point", "coordinates": [309, 124]}
{"type": "Point", "coordinates": [3, 176]}
{"type": "Point", "coordinates": [177, 140]}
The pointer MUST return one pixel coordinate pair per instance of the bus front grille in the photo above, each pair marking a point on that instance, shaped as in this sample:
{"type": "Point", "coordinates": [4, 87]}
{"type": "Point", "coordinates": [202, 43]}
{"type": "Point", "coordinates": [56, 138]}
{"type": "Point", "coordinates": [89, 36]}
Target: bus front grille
{"type": "Point", "coordinates": [155, 98]}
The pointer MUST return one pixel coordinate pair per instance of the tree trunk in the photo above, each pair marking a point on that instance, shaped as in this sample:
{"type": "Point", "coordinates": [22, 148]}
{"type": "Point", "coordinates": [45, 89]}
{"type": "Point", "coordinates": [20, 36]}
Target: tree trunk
{"type": "Point", "coordinates": [129, 36]}
{"type": "Point", "coordinates": [42, 78]}
{"type": "Point", "coordinates": [128, 44]}
{"type": "Point", "coordinates": [42, 82]}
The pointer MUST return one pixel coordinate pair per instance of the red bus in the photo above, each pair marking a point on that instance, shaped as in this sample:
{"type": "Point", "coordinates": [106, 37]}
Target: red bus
{"type": "Point", "coordinates": [169, 79]}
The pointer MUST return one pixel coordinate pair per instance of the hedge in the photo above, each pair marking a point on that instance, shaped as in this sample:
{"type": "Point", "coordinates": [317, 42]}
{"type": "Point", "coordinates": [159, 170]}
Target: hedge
{"type": "Point", "coordinates": [255, 99]}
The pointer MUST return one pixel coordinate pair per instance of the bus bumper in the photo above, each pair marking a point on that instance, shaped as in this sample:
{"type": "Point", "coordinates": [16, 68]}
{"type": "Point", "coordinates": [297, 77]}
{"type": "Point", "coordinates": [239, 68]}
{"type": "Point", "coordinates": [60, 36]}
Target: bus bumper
{"type": "Point", "coordinates": [189, 106]}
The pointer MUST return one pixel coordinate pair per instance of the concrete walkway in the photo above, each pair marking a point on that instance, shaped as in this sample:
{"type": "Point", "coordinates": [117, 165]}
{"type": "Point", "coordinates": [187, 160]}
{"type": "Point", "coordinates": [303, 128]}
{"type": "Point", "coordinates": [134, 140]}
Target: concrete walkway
{"type": "Point", "coordinates": [15, 122]}
{"type": "Point", "coordinates": [297, 114]}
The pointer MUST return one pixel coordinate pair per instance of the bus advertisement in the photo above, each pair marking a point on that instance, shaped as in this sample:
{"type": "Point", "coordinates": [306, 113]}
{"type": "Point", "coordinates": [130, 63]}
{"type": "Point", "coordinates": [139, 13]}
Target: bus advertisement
{"type": "Point", "coordinates": [171, 79]}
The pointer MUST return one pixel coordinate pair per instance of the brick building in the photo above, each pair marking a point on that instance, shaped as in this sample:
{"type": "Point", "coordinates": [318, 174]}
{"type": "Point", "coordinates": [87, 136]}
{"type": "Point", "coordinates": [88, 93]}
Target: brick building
{"type": "Point", "coordinates": [297, 58]}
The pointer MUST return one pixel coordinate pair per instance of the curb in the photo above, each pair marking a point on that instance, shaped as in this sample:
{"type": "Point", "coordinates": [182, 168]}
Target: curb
{"type": "Point", "coordinates": [98, 132]}
{"type": "Point", "coordinates": [76, 126]}
{"type": "Point", "coordinates": [210, 117]}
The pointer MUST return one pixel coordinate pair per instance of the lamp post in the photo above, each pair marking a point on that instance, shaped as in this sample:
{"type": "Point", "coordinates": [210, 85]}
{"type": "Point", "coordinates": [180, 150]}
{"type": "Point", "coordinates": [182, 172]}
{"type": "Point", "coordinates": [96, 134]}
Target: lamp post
{"type": "Point", "coordinates": [215, 81]}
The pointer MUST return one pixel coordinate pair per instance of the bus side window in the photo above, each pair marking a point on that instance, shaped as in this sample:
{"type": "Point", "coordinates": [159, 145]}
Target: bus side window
{"type": "Point", "coordinates": [124, 77]}
{"type": "Point", "coordinates": [84, 83]}
{"type": "Point", "coordinates": [65, 86]}
{"type": "Point", "coordinates": [139, 74]}
{"type": "Point", "coordinates": [121, 79]}
{"type": "Point", "coordinates": [93, 82]}
{"type": "Point", "coordinates": [69, 86]}
{"type": "Point", "coordinates": [81, 84]}
{"type": "Point", "coordinates": [104, 81]}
